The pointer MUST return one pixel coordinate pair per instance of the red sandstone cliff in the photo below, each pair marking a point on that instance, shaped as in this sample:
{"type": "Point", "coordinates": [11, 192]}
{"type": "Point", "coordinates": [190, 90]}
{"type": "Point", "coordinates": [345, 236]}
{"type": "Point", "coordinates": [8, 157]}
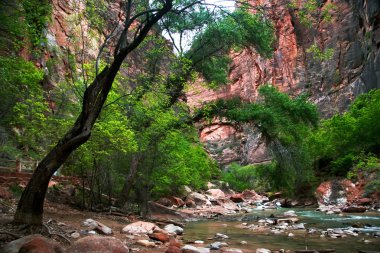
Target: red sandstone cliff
{"type": "Point", "coordinates": [353, 34]}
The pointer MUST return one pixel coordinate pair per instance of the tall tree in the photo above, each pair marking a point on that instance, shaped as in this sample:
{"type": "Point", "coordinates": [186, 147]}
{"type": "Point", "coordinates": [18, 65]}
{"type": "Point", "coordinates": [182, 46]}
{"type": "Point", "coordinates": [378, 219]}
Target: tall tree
{"type": "Point", "coordinates": [141, 17]}
{"type": "Point", "coordinates": [30, 206]}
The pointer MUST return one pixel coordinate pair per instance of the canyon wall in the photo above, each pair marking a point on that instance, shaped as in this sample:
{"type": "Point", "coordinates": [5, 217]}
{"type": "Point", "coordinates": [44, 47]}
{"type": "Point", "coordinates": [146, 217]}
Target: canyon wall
{"type": "Point", "coordinates": [353, 37]}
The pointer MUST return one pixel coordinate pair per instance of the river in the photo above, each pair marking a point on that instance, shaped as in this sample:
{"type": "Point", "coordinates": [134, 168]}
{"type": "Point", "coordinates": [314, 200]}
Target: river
{"type": "Point", "coordinates": [366, 223]}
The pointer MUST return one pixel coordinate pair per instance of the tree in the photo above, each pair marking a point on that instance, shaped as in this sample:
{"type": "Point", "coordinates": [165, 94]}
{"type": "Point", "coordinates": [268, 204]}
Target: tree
{"type": "Point", "coordinates": [284, 123]}
{"type": "Point", "coordinates": [30, 206]}
{"type": "Point", "coordinates": [141, 18]}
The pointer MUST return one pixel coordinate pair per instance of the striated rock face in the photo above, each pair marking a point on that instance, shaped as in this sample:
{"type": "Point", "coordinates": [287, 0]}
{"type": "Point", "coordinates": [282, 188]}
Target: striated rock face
{"type": "Point", "coordinates": [354, 68]}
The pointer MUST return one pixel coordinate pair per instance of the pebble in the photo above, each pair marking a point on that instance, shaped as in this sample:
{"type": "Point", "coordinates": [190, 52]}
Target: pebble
{"type": "Point", "coordinates": [290, 235]}
{"type": "Point", "coordinates": [223, 236]}
{"type": "Point", "coordinates": [243, 242]}
{"type": "Point", "coordinates": [199, 242]}
{"type": "Point", "coordinates": [75, 235]}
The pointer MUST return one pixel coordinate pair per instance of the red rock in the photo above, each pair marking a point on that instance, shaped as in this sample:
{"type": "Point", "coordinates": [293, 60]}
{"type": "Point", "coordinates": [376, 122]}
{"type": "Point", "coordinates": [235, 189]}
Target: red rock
{"type": "Point", "coordinates": [39, 245]}
{"type": "Point", "coordinates": [337, 192]}
{"type": "Point", "coordinates": [31, 244]}
{"type": "Point", "coordinates": [174, 242]}
{"type": "Point", "coordinates": [177, 201]}
{"type": "Point", "coordinates": [216, 193]}
{"type": "Point", "coordinates": [237, 198]}
{"type": "Point", "coordinates": [364, 201]}
{"type": "Point", "coordinates": [162, 237]}
{"type": "Point", "coordinates": [190, 203]}
{"type": "Point", "coordinates": [165, 202]}
{"type": "Point", "coordinates": [249, 194]}
{"type": "Point", "coordinates": [354, 209]}
{"type": "Point", "coordinates": [173, 249]}
{"type": "Point", "coordinates": [91, 244]}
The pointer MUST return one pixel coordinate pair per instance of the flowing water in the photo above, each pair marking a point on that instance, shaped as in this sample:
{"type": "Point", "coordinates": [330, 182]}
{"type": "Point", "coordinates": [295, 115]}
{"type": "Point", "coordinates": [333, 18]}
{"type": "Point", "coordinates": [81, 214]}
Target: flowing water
{"type": "Point", "coordinates": [367, 223]}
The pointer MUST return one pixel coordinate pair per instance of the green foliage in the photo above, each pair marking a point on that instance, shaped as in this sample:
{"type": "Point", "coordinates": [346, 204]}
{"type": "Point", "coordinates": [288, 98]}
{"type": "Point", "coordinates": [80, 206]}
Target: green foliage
{"type": "Point", "coordinates": [258, 177]}
{"type": "Point", "coordinates": [23, 108]}
{"type": "Point", "coordinates": [320, 55]}
{"type": "Point", "coordinates": [97, 13]}
{"type": "Point", "coordinates": [240, 29]}
{"type": "Point", "coordinates": [37, 16]}
{"type": "Point", "coordinates": [312, 11]}
{"type": "Point", "coordinates": [346, 141]}
{"type": "Point", "coordinates": [284, 123]}
{"type": "Point", "coordinates": [181, 162]}
{"type": "Point", "coordinates": [352, 132]}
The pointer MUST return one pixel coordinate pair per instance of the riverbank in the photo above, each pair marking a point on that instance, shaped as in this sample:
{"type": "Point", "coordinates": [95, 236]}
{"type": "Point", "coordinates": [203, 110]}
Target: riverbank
{"type": "Point", "coordinates": [270, 229]}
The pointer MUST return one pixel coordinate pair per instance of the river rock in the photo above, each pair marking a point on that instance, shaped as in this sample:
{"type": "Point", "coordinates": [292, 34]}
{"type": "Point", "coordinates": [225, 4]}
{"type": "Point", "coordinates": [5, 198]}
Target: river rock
{"type": "Point", "coordinates": [237, 198]}
{"type": "Point", "coordinates": [159, 236]}
{"type": "Point", "coordinates": [220, 235]}
{"type": "Point", "coordinates": [193, 249]}
{"type": "Point", "coordinates": [93, 224]}
{"type": "Point", "coordinates": [146, 243]}
{"type": "Point", "coordinates": [200, 199]}
{"type": "Point", "coordinates": [199, 242]}
{"type": "Point", "coordinates": [91, 244]}
{"type": "Point", "coordinates": [31, 243]}
{"type": "Point", "coordinates": [165, 202]}
{"type": "Point", "coordinates": [75, 235]}
{"type": "Point", "coordinates": [216, 193]}
{"type": "Point", "coordinates": [231, 250]}
{"type": "Point", "coordinates": [178, 202]}
{"type": "Point", "coordinates": [173, 249]}
{"type": "Point", "coordinates": [217, 245]}
{"type": "Point", "coordinates": [262, 250]}
{"type": "Point", "coordinates": [173, 229]}
{"type": "Point", "coordinates": [354, 209]}
{"type": "Point", "coordinates": [290, 213]}
{"type": "Point", "coordinates": [139, 227]}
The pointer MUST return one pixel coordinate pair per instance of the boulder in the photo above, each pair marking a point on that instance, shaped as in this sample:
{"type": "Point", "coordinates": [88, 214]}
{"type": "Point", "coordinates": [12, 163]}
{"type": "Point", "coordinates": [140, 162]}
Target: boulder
{"type": "Point", "coordinates": [173, 229]}
{"type": "Point", "coordinates": [139, 227]}
{"type": "Point", "coordinates": [337, 192]}
{"type": "Point", "coordinates": [31, 244]}
{"type": "Point", "coordinates": [177, 201]}
{"type": "Point", "coordinates": [231, 250]}
{"type": "Point", "coordinates": [165, 202]}
{"type": "Point", "coordinates": [159, 236]}
{"type": "Point", "coordinates": [250, 194]}
{"type": "Point", "coordinates": [262, 250]}
{"type": "Point", "coordinates": [354, 209]}
{"type": "Point", "coordinates": [146, 243]}
{"type": "Point", "coordinates": [192, 249]}
{"type": "Point", "coordinates": [237, 198]}
{"type": "Point", "coordinates": [173, 249]}
{"type": "Point", "coordinates": [91, 244]}
{"type": "Point", "coordinates": [216, 193]}
{"type": "Point", "coordinates": [95, 225]}
{"type": "Point", "coordinates": [290, 213]}
{"type": "Point", "coordinates": [364, 201]}
{"type": "Point", "coordinates": [190, 203]}
{"type": "Point", "coordinates": [200, 199]}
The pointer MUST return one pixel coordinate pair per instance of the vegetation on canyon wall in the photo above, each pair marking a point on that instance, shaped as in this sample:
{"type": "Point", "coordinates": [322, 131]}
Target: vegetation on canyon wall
{"type": "Point", "coordinates": [143, 142]}
{"type": "Point", "coordinates": [345, 145]}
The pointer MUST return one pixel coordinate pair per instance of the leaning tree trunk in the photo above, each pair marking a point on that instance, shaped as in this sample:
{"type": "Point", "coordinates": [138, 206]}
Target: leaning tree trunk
{"type": "Point", "coordinates": [30, 206]}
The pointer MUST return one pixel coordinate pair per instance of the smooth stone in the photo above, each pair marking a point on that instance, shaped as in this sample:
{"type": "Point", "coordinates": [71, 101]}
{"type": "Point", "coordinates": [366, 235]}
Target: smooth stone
{"type": "Point", "coordinates": [262, 250]}
{"type": "Point", "coordinates": [146, 243]}
{"type": "Point", "coordinates": [173, 229]}
{"type": "Point", "coordinates": [192, 249]}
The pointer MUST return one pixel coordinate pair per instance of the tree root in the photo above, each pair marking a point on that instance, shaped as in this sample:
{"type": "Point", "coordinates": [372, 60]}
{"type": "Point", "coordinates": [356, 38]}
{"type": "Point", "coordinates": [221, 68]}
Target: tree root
{"type": "Point", "coordinates": [51, 234]}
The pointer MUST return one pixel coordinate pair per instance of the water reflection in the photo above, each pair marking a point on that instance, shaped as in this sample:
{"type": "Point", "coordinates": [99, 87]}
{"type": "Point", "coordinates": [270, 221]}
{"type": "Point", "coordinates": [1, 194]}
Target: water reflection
{"type": "Point", "coordinates": [367, 224]}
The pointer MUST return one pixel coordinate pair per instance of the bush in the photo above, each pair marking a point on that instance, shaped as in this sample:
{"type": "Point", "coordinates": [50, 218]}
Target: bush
{"type": "Point", "coordinates": [257, 177]}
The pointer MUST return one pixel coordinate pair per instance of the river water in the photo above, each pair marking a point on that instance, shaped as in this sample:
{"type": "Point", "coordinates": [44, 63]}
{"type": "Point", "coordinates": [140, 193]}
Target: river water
{"type": "Point", "coordinates": [367, 223]}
